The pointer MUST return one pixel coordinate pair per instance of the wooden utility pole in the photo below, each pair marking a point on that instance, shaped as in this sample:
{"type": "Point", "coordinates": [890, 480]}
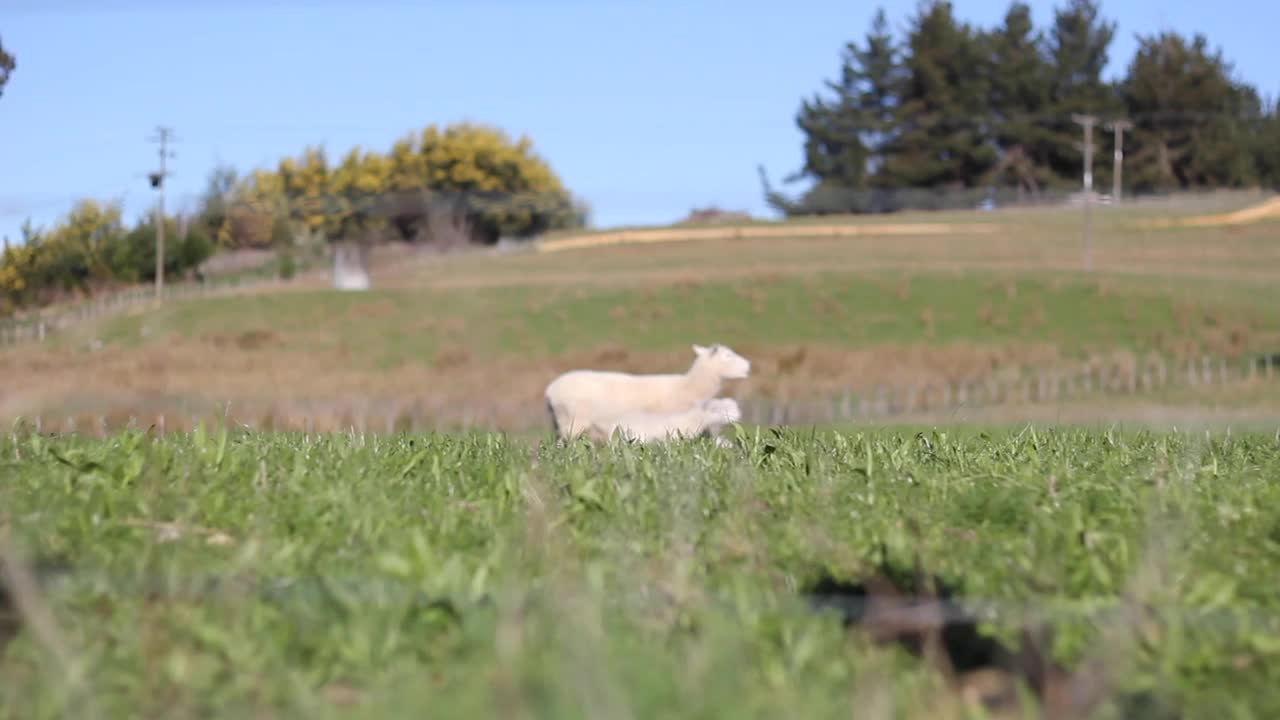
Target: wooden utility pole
{"type": "Point", "coordinates": [1118, 127]}
{"type": "Point", "coordinates": [1087, 121]}
{"type": "Point", "coordinates": [164, 136]}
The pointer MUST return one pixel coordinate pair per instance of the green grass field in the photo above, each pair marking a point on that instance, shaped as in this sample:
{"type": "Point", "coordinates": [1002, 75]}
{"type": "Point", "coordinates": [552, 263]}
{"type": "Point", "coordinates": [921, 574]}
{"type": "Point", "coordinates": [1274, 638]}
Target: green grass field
{"type": "Point", "coordinates": [244, 574]}
{"type": "Point", "coordinates": [271, 576]}
{"type": "Point", "coordinates": [389, 328]}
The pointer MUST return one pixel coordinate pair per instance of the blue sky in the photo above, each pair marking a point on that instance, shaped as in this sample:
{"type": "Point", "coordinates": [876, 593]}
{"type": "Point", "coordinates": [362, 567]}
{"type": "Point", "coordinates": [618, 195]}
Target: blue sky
{"type": "Point", "coordinates": [646, 109]}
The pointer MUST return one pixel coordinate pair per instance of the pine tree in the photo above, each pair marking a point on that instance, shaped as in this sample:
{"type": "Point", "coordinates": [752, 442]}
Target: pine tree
{"type": "Point", "coordinates": [1266, 146]}
{"type": "Point", "coordinates": [1192, 119]}
{"type": "Point", "coordinates": [942, 139]}
{"type": "Point", "coordinates": [880, 77]}
{"type": "Point", "coordinates": [1019, 77]}
{"type": "Point", "coordinates": [847, 135]}
{"type": "Point", "coordinates": [1078, 48]}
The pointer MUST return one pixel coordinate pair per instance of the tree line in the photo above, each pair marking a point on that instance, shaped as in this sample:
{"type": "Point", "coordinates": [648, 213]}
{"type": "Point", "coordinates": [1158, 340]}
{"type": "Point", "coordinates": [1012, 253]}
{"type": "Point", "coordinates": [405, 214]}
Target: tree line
{"type": "Point", "coordinates": [464, 183]}
{"type": "Point", "coordinates": [949, 107]}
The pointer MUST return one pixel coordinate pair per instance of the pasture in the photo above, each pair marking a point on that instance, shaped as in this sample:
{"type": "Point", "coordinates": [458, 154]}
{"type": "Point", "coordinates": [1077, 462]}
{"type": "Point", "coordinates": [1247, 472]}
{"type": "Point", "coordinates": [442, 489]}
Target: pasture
{"type": "Point", "coordinates": [482, 333]}
{"type": "Point", "coordinates": [1088, 571]}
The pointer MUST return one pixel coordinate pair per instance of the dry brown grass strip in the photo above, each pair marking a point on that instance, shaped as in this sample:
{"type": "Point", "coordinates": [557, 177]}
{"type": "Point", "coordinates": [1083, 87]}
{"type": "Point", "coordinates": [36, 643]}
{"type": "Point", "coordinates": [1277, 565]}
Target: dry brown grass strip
{"type": "Point", "coordinates": [846, 230]}
{"type": "Point", "coordinates": [1262, 212]}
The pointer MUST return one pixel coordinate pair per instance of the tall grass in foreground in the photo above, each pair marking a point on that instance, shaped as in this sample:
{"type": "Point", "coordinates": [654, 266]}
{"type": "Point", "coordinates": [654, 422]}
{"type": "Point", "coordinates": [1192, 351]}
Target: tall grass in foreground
{"type": "Point", "coordinates": [278, 575]}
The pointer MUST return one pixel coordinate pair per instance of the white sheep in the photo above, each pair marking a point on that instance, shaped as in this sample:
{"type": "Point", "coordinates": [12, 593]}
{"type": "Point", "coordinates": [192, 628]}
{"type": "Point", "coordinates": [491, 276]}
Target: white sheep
{"type": "Point", "coordinates": [579, 398]}
{"type": "Point", "coordinates": [648, 427]}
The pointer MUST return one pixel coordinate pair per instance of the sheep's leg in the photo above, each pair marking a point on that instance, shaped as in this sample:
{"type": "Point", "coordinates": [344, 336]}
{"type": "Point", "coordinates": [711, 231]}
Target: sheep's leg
{"type": "Point", "coordinates": [597, 434]}
{"type": "Point", "coordinates": [555, 426]}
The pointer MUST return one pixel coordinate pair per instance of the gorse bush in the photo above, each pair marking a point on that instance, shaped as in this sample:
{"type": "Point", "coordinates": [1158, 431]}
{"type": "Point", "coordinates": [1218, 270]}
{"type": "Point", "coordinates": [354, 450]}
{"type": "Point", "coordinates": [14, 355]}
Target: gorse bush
{"type": "Point", "coordinates": [90, 250]}
{"type": "Point", "coordinates": [497, 185]}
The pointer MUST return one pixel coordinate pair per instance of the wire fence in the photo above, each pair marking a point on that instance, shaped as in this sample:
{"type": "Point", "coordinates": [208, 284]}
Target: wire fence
{"type": "Point", "coordinates": [40, 326]}
{"type": "Point", "coordinates": [1032, 386]}
{"type": "Point", "coordinates": [1152, 378]}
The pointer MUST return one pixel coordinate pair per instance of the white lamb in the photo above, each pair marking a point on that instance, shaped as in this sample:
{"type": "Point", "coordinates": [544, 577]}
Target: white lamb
{"type": "Point", "coordinates": [648, 427]}
{"type": "Point", "coordinates": [579, 398]}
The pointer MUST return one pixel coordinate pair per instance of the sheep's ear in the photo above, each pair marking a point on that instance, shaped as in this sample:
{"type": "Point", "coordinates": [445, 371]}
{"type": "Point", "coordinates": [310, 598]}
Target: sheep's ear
{"type": "Point", "coordinates": [699, 351]}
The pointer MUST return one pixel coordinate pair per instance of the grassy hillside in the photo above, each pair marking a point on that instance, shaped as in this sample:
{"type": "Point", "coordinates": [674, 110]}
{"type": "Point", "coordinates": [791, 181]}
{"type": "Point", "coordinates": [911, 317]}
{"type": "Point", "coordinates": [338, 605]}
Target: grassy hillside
{"type": "Point", "coordinates": [388, 328]}
{"type": "Point", "coordinates": [816, 314]}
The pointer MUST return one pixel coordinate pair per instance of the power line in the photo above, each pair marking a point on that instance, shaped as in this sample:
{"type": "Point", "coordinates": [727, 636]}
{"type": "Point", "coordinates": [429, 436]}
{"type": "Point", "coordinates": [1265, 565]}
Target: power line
{"type": "Point", "coordinates": [164, 136]}
{"type": "Point", "coordinates": [1087, 121]}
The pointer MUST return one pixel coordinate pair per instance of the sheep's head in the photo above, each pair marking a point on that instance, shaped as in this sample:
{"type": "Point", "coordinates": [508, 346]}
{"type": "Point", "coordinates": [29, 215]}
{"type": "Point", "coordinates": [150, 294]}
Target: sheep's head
{"type": "Point", "coordinates": [724, 410]}
{"type": "Point", "coordinates": [727, 363]}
